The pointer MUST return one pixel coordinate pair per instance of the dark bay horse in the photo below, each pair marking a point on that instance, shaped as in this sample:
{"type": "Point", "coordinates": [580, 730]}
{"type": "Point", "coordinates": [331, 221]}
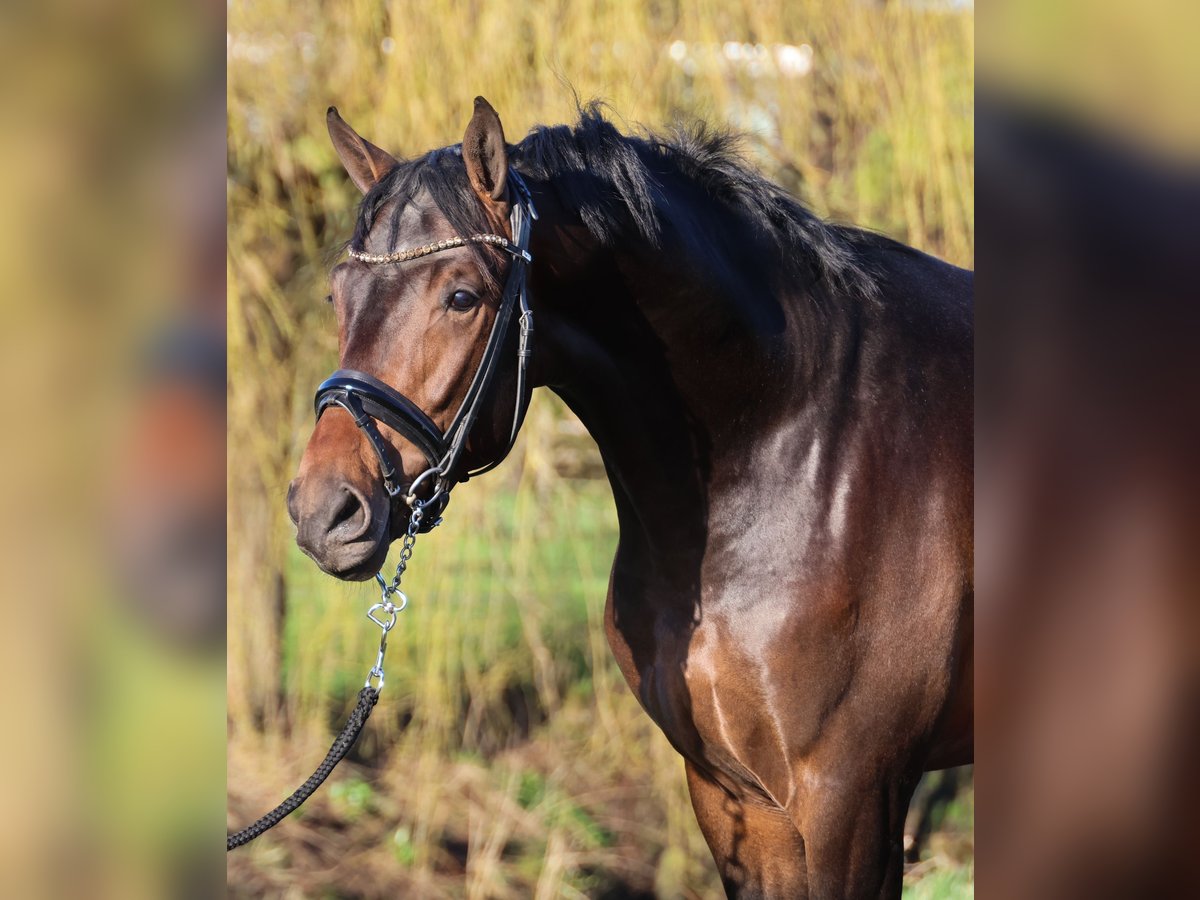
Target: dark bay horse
{"type": "Point", "coordinates": [784, 410]}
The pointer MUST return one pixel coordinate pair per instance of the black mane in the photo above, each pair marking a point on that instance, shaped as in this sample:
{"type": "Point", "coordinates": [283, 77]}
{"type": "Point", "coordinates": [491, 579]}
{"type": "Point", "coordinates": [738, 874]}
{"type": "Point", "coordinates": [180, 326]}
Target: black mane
{"type": "Point", "coordinates": [613, 180]}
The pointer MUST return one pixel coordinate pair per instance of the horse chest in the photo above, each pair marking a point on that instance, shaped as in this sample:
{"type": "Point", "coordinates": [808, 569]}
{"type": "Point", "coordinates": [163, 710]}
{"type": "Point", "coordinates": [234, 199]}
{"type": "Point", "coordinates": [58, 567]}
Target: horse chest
{"type": "Point", "coordinates": [726, 710]}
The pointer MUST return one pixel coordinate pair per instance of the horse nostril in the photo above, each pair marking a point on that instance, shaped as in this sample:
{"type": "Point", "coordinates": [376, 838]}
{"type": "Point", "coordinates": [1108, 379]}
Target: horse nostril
{"type": "Point", "coordinates": [293, 513]}
{"type": "Point", "coordinates": [353, 516]}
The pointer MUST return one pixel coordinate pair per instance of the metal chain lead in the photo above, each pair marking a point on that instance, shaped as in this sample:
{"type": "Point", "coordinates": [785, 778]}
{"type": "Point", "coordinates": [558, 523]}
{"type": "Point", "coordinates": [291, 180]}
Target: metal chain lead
{"type": "Point", "coordinates": [406, 549]}
{"type": "Point", "coordinates": [392, 599]}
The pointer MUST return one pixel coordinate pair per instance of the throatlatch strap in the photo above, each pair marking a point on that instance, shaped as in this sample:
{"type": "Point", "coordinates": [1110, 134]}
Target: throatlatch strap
{"type": "Point", "coordinates": [367, 698]}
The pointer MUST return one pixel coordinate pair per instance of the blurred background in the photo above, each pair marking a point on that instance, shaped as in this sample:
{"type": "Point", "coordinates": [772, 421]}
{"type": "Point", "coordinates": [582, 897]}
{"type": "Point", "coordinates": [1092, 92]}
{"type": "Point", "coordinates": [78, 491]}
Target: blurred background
{"type": "Point", "coordinates": [507, 757]}
{"type": "Point", "coordinates": [112, 469]}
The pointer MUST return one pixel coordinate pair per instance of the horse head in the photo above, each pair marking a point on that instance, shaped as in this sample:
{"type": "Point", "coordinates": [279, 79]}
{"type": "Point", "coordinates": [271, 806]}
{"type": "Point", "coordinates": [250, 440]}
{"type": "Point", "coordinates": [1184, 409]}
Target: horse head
{"type": "Point", "coordinates": [427, 388]}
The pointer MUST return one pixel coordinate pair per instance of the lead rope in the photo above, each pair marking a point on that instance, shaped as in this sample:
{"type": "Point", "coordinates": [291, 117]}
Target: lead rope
{"type": "Point", "coordinates": [392, 602]}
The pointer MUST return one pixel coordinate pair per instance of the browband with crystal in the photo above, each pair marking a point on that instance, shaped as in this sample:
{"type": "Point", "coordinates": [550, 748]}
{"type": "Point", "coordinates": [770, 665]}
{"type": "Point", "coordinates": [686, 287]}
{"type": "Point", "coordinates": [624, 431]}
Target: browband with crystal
{"type": "Point", "coordinates": [369, 400]}
{"type": "Point", "coordinates": [496, 240]}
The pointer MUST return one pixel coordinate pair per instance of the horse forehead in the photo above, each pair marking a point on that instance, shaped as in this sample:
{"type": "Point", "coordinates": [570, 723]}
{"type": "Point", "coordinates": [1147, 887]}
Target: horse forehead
{"type": "Point", "coordinates": [384, 312]}
{"type": "Point", "coordinates": [419, 221]}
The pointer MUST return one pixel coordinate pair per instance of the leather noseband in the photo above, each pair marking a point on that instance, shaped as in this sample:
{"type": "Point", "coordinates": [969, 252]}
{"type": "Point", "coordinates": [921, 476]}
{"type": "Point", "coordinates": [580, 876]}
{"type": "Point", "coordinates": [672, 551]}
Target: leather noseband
{"type": "Point", "coordinates": [370, 400]}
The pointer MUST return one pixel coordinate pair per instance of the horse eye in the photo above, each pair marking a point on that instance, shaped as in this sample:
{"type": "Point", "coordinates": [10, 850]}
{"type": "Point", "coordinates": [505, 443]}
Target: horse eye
{"type": "Point", "coordinates": [329, 298]}
{"type": "Point", "coordinates": [462, 300]}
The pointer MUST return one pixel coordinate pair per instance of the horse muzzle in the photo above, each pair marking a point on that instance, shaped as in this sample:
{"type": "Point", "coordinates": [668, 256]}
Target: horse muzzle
{"type": "Point", "coordinates": [344, 530]}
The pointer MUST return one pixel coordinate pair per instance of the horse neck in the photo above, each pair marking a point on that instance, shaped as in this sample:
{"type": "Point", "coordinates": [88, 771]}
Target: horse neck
{"type": "Point", "coordinates": [676, 360]}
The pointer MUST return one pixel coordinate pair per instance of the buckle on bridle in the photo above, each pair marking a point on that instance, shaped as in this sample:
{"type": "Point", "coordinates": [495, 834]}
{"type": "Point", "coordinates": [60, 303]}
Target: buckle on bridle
{"type": "Point", "coordinates": [370, 400]}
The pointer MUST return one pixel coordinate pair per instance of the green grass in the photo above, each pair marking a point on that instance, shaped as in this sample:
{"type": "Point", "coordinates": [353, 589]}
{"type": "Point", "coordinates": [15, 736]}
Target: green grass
{"type": "Point", "coordinates": [945, 884]}
{"type": "Point", "coordinates": [458, 596]}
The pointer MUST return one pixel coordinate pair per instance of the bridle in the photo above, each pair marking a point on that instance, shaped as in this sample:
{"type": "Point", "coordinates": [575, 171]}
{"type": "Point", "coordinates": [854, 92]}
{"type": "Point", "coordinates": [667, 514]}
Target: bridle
{"type": "Point", "coordinates": [370, 400]}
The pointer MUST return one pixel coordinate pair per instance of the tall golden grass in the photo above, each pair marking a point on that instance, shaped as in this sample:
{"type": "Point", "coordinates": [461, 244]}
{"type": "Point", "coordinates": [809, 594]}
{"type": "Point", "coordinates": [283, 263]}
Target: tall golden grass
{"type": "Point", "coordinates": [507, 758]}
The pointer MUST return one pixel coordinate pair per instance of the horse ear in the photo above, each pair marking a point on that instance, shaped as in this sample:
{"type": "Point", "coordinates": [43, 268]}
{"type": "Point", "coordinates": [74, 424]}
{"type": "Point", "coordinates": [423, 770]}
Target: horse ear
{"type": "Point", "coordinates": [365, 163]}
{"type": "Point", "coordinates": [485, 153]}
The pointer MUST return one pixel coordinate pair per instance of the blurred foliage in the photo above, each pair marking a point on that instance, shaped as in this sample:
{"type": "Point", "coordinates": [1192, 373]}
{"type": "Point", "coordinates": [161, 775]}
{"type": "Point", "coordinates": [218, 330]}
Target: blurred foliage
{"type": "Point", "coordinates": [507, 758]}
